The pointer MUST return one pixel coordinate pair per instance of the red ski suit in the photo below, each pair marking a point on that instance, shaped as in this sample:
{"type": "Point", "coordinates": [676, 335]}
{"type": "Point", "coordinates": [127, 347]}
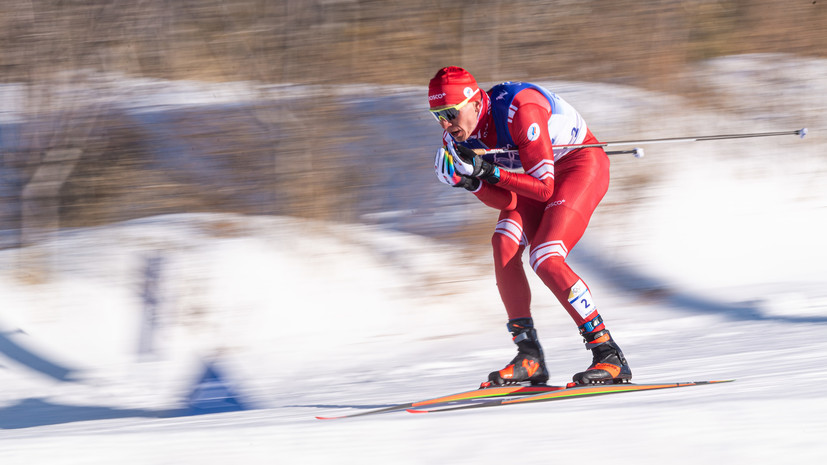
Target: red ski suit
{"type": "Point", "coordinates": [548, 206]}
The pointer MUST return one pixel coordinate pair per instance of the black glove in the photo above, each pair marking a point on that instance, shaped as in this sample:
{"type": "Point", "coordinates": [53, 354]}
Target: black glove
{"type": "Point", "coordinates": [468, 183]}
{"type": "Point", "coordinates": [471, 164]}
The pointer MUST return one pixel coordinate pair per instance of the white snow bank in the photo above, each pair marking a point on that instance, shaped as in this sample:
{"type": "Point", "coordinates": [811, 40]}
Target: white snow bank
{"type": "Point", "coordinates": [310, 318]}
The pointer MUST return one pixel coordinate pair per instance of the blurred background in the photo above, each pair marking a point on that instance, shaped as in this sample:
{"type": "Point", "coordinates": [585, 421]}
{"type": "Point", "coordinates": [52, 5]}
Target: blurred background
{"type": "Point", "coordinates": [191, 180]}
{"type": "Point", "coordinates": [314, 108]}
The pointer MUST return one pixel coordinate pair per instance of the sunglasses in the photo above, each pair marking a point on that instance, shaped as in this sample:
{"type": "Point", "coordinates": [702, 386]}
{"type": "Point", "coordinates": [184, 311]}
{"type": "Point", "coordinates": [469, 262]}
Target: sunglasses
{"type": "Point", "coordinates": [451, 112]}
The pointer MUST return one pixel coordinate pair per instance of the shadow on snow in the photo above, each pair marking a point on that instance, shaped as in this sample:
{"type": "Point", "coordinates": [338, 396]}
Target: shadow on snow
{"type": "Point", "coordinates": [648, 286]}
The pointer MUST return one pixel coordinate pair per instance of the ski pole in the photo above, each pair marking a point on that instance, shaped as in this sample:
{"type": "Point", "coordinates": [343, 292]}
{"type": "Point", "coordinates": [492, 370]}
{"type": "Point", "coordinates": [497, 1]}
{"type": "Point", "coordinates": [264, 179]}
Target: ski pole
{"type": "Point", "coordinates": [637, 152]}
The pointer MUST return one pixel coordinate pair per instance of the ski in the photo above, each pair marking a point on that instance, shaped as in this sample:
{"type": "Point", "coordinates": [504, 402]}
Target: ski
{"type": "Point", "coordinates": [570, 392]}
{"type": "Point", "coordinates": [503, 392]}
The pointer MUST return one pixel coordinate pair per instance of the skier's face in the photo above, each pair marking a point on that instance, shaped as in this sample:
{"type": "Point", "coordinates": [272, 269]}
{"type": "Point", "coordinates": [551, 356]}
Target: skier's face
{"type": "Point", "coordinates": [461, 127]}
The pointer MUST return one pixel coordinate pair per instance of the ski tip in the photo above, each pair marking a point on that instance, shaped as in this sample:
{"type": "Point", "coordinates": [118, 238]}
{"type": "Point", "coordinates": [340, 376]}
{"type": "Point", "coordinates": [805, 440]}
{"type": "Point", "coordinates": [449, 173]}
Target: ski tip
{"type": "Point", "coordinates": [328, 418]}
{"type": "Point", "coordinates": [413, 410]}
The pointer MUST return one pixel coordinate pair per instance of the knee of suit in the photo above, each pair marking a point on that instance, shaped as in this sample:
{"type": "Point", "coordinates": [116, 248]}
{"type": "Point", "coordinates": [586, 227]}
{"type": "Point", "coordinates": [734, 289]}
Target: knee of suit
{"type": "Point", "coordinates": [506, 247]}
{"type": "Point", "coordinates": [554, 272]}
{"type": "Point", "coordinates": [509, 233]}
{"type": "Point", "coordinates": [548, 256]}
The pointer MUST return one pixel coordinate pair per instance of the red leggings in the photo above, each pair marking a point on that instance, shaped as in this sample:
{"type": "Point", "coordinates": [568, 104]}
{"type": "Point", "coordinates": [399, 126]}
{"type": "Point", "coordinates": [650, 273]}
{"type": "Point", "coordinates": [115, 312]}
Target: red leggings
{"type": "Point", "coordinates": [551, 229]}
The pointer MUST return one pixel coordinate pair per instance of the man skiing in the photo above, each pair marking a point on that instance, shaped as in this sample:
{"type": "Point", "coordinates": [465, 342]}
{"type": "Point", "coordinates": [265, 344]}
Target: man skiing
{"type": "Point", "coordinates": [546, 207]}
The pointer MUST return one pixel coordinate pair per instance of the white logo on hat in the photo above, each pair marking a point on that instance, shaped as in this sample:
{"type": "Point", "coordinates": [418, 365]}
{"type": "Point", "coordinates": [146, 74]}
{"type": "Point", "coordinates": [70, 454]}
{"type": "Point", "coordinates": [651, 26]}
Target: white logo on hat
{"type": "Point", "coordinates": [468, 92]}
{"type": "Point", "coordinates": [533, 132]}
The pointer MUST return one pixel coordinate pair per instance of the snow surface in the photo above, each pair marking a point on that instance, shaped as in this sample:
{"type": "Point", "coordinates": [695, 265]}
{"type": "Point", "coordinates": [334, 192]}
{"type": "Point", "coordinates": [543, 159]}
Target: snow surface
{"type": "Point", "coordinates": [718, 271]}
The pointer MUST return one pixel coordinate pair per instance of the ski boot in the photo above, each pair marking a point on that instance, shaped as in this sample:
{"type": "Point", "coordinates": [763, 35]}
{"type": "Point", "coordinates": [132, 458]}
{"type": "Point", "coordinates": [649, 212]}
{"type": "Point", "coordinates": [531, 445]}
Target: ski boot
{"type": "Point", "coordinates": [528, 365]}
{"type": "Point", "coordinates": [608, 366]}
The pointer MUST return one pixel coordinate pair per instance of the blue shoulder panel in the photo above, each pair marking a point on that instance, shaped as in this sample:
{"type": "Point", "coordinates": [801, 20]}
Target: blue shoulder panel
{"type": "Point", "coordinates": [501, 97]}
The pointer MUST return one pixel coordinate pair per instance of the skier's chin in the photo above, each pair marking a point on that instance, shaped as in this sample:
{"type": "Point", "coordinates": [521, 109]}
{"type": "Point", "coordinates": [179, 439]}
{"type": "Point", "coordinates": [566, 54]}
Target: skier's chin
{"type": "Point", "coordinates": [459, 135]}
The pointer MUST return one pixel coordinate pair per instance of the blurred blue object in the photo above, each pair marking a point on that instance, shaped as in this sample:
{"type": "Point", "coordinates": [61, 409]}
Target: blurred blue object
{"type": "Point", "coordinates": [31, 359]}
{"type": "Point", "coordinates": [212, 394]}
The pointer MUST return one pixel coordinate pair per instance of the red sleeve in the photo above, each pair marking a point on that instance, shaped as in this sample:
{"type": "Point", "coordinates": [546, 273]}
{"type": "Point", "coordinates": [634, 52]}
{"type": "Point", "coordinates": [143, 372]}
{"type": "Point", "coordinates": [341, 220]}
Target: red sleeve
{"type": "Point", "coordinates": [496, 197]}
{"type": "Point", "coordinates": [528, 127]}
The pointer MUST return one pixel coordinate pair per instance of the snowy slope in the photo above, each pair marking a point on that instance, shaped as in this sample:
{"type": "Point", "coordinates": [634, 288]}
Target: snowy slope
{"type": "Point", "coordinates": [715, 270]}
{"type": "Point", "coordinates": [391, 327]}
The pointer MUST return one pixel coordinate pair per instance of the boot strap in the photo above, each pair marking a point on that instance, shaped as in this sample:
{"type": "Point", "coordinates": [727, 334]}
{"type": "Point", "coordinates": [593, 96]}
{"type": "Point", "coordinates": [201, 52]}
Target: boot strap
{"type": "Point", "coordinates": [598, 339]}
{"type": "Point", "coordinates": [520, 337]}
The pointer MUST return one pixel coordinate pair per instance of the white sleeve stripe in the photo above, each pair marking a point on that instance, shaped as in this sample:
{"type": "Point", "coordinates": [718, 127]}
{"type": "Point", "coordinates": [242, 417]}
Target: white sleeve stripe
{"type": "Point", "coordinates": [542, 170]}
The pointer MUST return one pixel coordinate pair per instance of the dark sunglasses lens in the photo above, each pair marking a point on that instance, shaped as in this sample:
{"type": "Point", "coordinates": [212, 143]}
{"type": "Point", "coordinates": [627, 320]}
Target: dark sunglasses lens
{"type": "Point", "coordinates": [448, 114]}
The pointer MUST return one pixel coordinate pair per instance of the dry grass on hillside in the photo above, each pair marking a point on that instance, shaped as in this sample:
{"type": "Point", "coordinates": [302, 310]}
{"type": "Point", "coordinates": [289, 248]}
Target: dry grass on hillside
{"type": "Point", "coordinates": [325, 41]}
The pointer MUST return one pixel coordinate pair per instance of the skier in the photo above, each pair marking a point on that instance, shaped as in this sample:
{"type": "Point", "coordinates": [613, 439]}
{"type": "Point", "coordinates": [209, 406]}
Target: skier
{"type": "Point", "coordinates": [546, 207]}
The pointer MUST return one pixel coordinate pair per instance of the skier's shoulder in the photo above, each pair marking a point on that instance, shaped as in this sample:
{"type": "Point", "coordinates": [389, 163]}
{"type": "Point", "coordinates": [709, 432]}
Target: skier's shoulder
{"type": "Point", "coordinates": [513, 95]}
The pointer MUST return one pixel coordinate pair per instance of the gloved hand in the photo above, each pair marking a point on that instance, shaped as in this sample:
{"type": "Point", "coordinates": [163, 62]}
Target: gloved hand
{"type": "Point", "coordinates": [470, 164]}
{"type": "Point", "coordinates": [447, 174]}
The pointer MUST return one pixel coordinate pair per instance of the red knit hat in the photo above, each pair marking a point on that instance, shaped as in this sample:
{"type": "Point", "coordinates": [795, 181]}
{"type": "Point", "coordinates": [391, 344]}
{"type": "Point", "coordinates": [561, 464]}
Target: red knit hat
{"type": "Point", "coordinates": [450, 86]}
